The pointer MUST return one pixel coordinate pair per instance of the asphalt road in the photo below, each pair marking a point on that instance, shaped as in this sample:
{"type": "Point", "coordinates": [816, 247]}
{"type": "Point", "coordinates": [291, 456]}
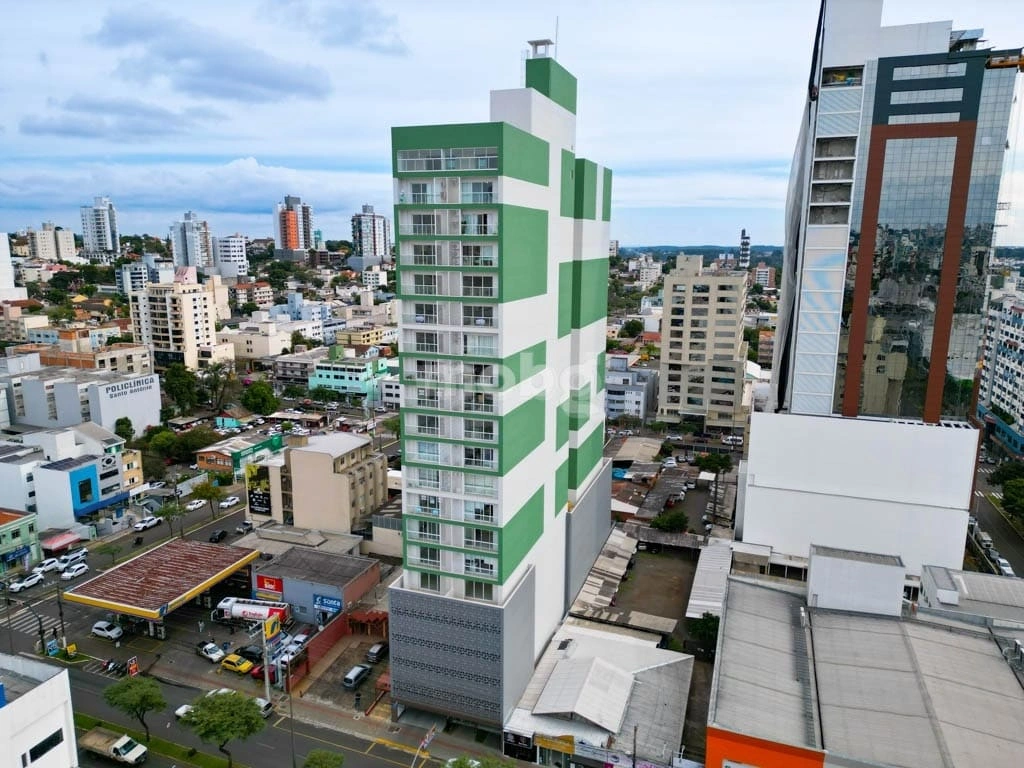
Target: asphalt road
{"type": "Point", "coordinates": [1005, 537]}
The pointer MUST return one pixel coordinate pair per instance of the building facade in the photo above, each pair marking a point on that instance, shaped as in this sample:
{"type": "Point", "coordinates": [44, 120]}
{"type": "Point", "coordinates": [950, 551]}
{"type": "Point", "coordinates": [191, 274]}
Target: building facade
{"type": "Point", "coordinates": [190, 242]}
{"type": "Point", "coordinates": [348, 373]}
{"type": "Point", "coordinates": [703, 354]}
{"type": "Point", "coordinates": [371, 239]}
{"type": "Point", "coordinates": [15, 323]}
{"type": "Point", "coordinates": [229, 255]}
{"type": "Point", "coordinates": [177, 321]}
{"type": "Point", "coordinates": [232, 456]}
{"type": "Point", "coordinates": [743, 260]}
{"type": "Point", "coordinates": [37, 723]}
{"type": "Point", "coordinates": [502, 272]}
{"type": "Point", "coordinates": [8, 292]}
{"type": "Point", "coordinates": [893, 199]}
{"type": "Point", "coordinates": [19, 540]}
{"type": "Point", "coordinates": [117, 358]}
{"type": "Point", "coordinates": [51, 243]}
{"type": "Point", "coordinates": [293, 228]}
{"type": "Point", "coordinates": [630, 390]}
{"type": "Point", "coordinates": [1001, 383]}
{"type": "Point", "coordinates": [764, 276]}
{"type": "Point", "coordinates": [101, 240]}
{"type": "Point", "coordinates": [259, 293]}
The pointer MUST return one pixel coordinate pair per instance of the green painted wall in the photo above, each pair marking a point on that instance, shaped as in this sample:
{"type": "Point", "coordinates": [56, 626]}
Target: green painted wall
{"type": "Point", "coordinates": [553, 80]}
{"type": "Point", "coordinates": [562, 424]}
{"type": "Point", "coordinates": [591, 291]}
{"type": "Point", "coordinates": [520, 534]}
{"type": "Point", "coordinates": [568, 191]}
{"type": "Point", "coordinates": [583, 459]}
{"type": "Point", "coordinates": [523, 245]}
{"type": "Point", "coordinates": [602, 368]}
{"type": "Point", "coordinates": [522, 430]}
{"type": "Point", "coordinates": [523, 365]}
{"type": "Point", "coordinates": [606, 204]}
{"type": "Point", "coordinates": [579, 407]}
{"type": "Point", "coordinates": [445, 137]}
{"type": "Point", "coordinates": [586, 190]}
{"type": "Point", "coordinates": [524, 156]}
{"type": "Point", "coordinates": [561, 487]}
{"type": "Point", "coordinates": [565, 298]}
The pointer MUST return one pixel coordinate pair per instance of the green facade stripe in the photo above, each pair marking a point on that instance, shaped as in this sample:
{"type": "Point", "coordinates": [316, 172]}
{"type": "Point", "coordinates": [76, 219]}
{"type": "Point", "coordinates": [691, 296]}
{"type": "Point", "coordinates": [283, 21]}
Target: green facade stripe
{"type": "Point", "coordinates": [553, 80]}
{"type": "Point", "coordinates": [523, 365]}
{"type": "Point", "coordinates": [565, 298]}
{"type": "Point", "coordinates": [523, 249]}
{"type": "Point", "coordinates": [590, 292]}
{"type": "Point", "coordinates": [606, 192]}
{"type": "Point", "coordinates": [586, 190]}
{"type": "Point", "coordinates": [584, 458]}
{"type": "Point", "coordinates": [522, 430]}
{"type": "Point", "coordinates": [520, 534]}
{"type": "Point", "coordinates": [568, 191]}
{"type": "Point", "coordinates": [602, 369]}
{"type": "Point", "coordinates": [561, 486]}
{"type": "Point", "coordinates": [460, 135]}
{"type": "Point", "coordinates": [562, 424]}
{"type": "Point", "coordinates": [524, 156]}
{"type": "Point", "coordinates": [579, 407]}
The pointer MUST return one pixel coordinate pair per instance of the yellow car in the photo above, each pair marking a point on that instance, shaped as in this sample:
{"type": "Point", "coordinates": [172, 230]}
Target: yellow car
{"type": "Point", "coordinates": [235, 663]}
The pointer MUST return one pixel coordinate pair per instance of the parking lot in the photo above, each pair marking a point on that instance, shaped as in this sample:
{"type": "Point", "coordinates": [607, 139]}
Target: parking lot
{"type": "Point", "coordinates": [328, 687]}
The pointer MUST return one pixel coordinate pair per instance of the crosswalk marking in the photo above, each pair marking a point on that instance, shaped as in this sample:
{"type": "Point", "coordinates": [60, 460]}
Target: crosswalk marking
{"type": "Point", "coordinates": [993, 494]}
{"type": "Point", "coordinates": [29, 624]}
{"type": "Point", "coordinates": [96, 668]}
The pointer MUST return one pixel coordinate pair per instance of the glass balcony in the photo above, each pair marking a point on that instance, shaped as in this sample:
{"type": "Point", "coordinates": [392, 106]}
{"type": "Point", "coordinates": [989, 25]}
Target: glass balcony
{"type": "Point", "coordinates": [471, 434]}
{"type": "Point", "coordinates": [477, 488]}
{"type": "Point", "coordinates": [431, 511]}
{"type": "Point", "coordinates": [478, 570]}
{"type": "Point", "coordinates": [487, 380]}
{"type": "Point", "coordinates": [417, 229]}
{"type": "Point", "coordinates": [432, 564]}
{"type": "Point", "coordinates": [480, 463]}
{"type": "Point", "coordinates": [481, 350]}
{"type": "Point", "coordinates": [432, 349]}
{"type": "Point", "coordinates": [489, 546]}
{"type": "Point", "coordinates": [478, 197]}
{"type": "Point", "coordinates": [415, 535]}
{"type": "Point", "coordinates": [424, 375]}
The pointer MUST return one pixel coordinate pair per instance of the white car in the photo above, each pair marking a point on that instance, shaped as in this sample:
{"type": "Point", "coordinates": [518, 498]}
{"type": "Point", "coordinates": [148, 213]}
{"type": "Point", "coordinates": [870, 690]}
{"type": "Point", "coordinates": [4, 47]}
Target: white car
{"type": "Point", "coordinates": [74, 571]}
{"type": "Point", "coordinates": [210, 651]}
{"type": "Point", "coordinates": [47, 565]}
{"type": "Point", "coordinates": [195, 504]}
{"type": "Point", "coordinates": [26, 581]}
{"type": "Point", "coordinates": [230, 501]}
{"type": "Point", "coordinates": [182, 711]}
{"type": "Point", "coordinates": [108, 630]}
{"type": "Point", "coordinates": [149, 521]}
{"type": "Point", "coordinates": [157, 484]}
{"type": "Point", "coordinates": [669, 463]}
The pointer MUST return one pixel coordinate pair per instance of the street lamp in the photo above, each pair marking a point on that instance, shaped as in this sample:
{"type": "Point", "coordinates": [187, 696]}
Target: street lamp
{"type": "Point", "coordinates": [291, 710]}
{"type": "Point", "coordinates": [60, 611]}
{"type": "Point", "coordinates": [7, 600]}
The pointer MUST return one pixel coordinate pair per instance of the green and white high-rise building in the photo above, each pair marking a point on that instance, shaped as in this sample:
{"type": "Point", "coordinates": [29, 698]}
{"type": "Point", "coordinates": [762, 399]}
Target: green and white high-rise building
{"type": "Point", "coordinates": [502, 249]}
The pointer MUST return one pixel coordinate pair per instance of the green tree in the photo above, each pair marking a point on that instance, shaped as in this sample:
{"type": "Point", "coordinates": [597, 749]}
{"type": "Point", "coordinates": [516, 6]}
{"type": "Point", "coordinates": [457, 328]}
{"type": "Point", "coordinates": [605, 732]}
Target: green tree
{"type": "Point", "coordinates": [259, 398]}
{"type": "Point", "coordinates": [393, 425]}
{"type": "Point", "coordinates": [164, 444]}
{"type": "Point", "coordinates": [704, 631]}
{"type": "Point", "coordinates": [88, 290]}
{"type": "Point", "coordinates": [124, 429]}
{"type": "Point", "coordinates": [224, 717]}
{"type": "Point", "coordinates": [631, 329]}
{"type": "Point", "coordinates": [1013, 497]}
{"type": "Point", "coordinates": [756, 289]}
{"type": "Point", "coordinates": [214, 383]}
{"type": "Point", "coordinates": [287, 426]}
{"type": "Point", "coordinates": [1003, 415]}
{"type": "Point", "coordinates": [153, 466]}
{"type": "Point", "coordinates": [209, 493]}
{"type": "Point", "coordinates": [323, 758]}
{"type": "Point", "coordinates": [182, 386]}
{"type": "Point", "coordinates": [194, 440]}
{"type": "Point", "coordinates": [137, 696]}
{"type": "Point", "coordinates": [1007, 471]}
{"type": "Point", "coordinates": [110, 548]}
{"type": "Point", "coordinates": [170, 512]}
{"type": "Point", "coordinates": [249, 307]}
{"type": "Point", "coordinates": [294, 391]}
{"type": "Point", "coordinates": [672, 520]}
{"type": "Point", "coordinates": [323, 394]}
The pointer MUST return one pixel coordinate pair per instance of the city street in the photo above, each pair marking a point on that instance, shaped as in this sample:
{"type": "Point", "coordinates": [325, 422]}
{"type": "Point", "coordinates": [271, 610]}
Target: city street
{"type": "Point", "coordinates": [1005, 537]}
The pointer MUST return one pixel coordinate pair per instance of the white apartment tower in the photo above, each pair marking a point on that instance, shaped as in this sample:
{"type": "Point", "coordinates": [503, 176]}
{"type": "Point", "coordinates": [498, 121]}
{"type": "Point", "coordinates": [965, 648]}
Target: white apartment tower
{"type": "Point", "coordinates": [100, 237]}
{"type": "Point", "coordinates": [744, 259]}
{"type": "Point", "coordinates": [190, 243]}
{"type": "Point", "coordinates": [177, 321]}
{"type": "Point", "coordinates": [371, 238]}
{"type": "Point", "coordinates": [502, 272]}
{"type": "Point", "coordinates": [50, 243]}
{"type": "Point", "coordinates": [7, 290]}
{"type": "Point", "coordinates": [229, 255]}
{"type": "Point", "coordinates": [703, 354]}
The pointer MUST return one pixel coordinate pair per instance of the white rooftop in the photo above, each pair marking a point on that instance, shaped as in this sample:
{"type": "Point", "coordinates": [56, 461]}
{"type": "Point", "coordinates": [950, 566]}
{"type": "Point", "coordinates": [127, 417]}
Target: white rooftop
{"type": "Point", "coordinates": [334, 443]}
{"type": "Point", "coordinates": [709, 581]}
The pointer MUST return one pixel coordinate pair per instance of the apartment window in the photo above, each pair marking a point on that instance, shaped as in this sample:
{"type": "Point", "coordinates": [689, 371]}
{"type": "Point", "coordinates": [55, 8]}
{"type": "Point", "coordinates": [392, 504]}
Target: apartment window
{"type": "Point", "coordinates": [481, 538]}
{"type": "Point", "coordinates": [426, 342]}
{"type": "Point", "coordinates": [479, 402]}
{"type": "Point", "coordinates": [426, 530]}
{"type": "Point", "coordinates": [431, 581]}
{"type": "Point", "coordinates": [426, 370]}
{"type": "Point", "coordinates": [430, 556]}
{"type": "Point", "coordinates": [428, 425]}
{"type": "Point", "coordinates": [478, 429]}
{"type": "Point", "coordinates": [44, 746]}
{"type": "Point", "coordinates": [429, 478]}
{"type": "Point", "coordinates": [478, 373]}
{"type": "Point", "coordinates": [421, 192]}
{"type": "Point", "coordinates": [478, 590]}
{"type": "Point", "coordinates": [85, 494]}
{"type": "Point", "coordinates": [478, 285]}
{"type": "Point", "coordinates": [478, 191]}
{"type": "Point", "coordinates": [429, 505]}
{"type": "Point", "coordinates": [479, 565]}
{"type": "Point", "coordinates": [428, 452]}
{"type": "Point", "coordinates": [424, 285]}
{"type": "Point", "coordinates": [424, 255]}
{"type": "Point", "coordinates": [479, 316]}
{"type": "Point", "coordinates": [479, 512]}
{"type": "Point", "coordinates": [477, 224]}
{"type": "Point", "coordinates": [478, 255]}
{"type": "Point", "coordinates": [482, 458]}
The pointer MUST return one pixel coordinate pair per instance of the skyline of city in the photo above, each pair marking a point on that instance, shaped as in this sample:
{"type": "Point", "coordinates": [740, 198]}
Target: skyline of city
{"type": "Point", "coordinates": [227, 137]}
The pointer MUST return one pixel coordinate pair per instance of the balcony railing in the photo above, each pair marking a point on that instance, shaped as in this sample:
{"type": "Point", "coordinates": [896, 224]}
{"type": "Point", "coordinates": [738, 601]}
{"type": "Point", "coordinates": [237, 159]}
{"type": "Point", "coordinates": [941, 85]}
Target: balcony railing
{"type": "Point", "coordinates": [478, 230]}
{"type": "Point", "coordinates": [478, 322]}
{"type": "Point", "coordinates": [480, 463]}
{"type": "Point", "coordinates": [423, 536]}
{"type": "Point", "coordinates": [431, 511]}
{"type": "Point", "coordinates": [478, 197]}
{"type": "Point", "coordinates": [481, 350]}
{"type": "Point", "coordinates": [432, 564]}
{"type": "Point", "coordinates": [417, 229]}
{"type": "Point", "coordinates": [421, 430]}
{"type": "Point", "coordinates": [414, 319]}
{"type": "Point", "coordinates": [472, 434]}
{"type": "Point", "coordinates": [481, 489]}
{"type": "Point", "coordinates": [481, 544]}
{"type": "Point", "coordinates": [424, 403]}
{"type": "Point", "coordinates": [471, 517]}
{"type": "Point", "coordinates": [479, 571]}
{"type": "Point", "coordinates": [427, 458]}
{"type": "Point", "coordinates": [428, 348]}
{"type": "Point", "coordinates": [424, 375]}
{"type": "Point", "coordinates": [478, 291]}
{"type": "Point", "coordinates": [487, 380]}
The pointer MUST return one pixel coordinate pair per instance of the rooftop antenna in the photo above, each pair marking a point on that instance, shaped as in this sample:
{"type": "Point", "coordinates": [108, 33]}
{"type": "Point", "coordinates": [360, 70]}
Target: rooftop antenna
{"type": "Point", "coordinates": [554, 53]}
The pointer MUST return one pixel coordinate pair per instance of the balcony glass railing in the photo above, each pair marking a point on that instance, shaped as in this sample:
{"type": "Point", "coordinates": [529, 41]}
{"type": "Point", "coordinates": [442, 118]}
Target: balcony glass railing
{"type": "Point", "coordinates": [489, 546]}
{"type": "Point", "coordinates": [479, 463]}
{"type": "Point", "coordinates": [424, 290]}
{"type": "Point", "coordinates": [428, 348]}
{"type": "Point", "coordinates": [432, 511]}
{"type": "Point", "coordinates": [432, 564]}
{"type": "Point", "coordinates": [428, 403]}
{"type": "Point", "coordinates": [481, 489]}
{"type": "Point", "coordinates": [477, 570]}
{"type": "Point", "coordinates": [424, 375]}
{"type": "Point", "coordinates": [478, 197]}
{"type": "Point", "coordinates": [481, 350]}
{"type": "Point", "coordinates": [417, 229]}
{"type": "Point", "coordinates": [479, 517]}
{"type": "Point", "coordinates": [424, 536]}
{"type": "Point", "coordinates": [477, 321]}
{"type": "Point", "coordinates": [419, 429]}
{"type": "Point", "coordinates": [487, 380]}
{"type": "Point", "coordinates": [478, 291]}
{"type": "Point", "coordinates": [472, 434]}
{"type": "Point", "coordinates": [474, 407]}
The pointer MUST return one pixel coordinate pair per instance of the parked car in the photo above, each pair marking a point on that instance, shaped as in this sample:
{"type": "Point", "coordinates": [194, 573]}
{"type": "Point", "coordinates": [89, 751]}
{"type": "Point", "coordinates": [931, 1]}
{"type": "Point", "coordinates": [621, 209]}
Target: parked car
{"type": "Point", "coordinates": [377, 652]}
{"type": "Point", "coordinates": [266, 707]}
{"type": "Point", "coordinates": [246, 526]}
{"type": "Point", "coordinates": [669, 463]}
{"type": "Point", "coordinates": [209, 651]}
{"type": "Point", "coordinates": [675, 438]}
{"type": "Point", "coordinates": [195, 504]}
{"type": "Point", "coordinates": [70, 558]}
{"type": "Point", "coordinates": [183, 711]}
{"type": "Point", "coordinates": [47, 565]}
{"type": "Point", "coordinates": [218, 535]}
{"type": "Point", "coordinates": [256, 673]}
{"type": "Point", "coordinates": [251, 652]}
{"type": "Point", "coordinates": [74, 571]}
{"type": "Point", "coordinates": [356, 676]}
{"type": "Point", "coordinates": [27, 580]}
{"type": "Point", "coordinates": [300, 640]}
{"type": "Point", "coordinates": [149, 521]}
{"type": "Point", "coordinates": [107, 630]}
{"type": "Point", "coordinates": [230, 501]}
{"type": "Point", "coordinates": [157, 485]}
{"type": "Point", "coordinates": [235, 663]}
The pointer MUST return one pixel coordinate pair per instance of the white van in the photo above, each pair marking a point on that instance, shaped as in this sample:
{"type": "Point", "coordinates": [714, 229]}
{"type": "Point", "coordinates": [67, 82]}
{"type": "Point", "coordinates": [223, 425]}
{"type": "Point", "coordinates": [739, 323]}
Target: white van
{"type": "Point", "coordinates": [70, 558]}
{"type": "Point", "coordinates": [732, 440]}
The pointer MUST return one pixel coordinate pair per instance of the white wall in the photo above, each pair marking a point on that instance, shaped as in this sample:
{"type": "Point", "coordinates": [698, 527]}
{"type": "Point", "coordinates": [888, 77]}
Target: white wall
{"type": "Point", "coordinates": [36, 714]}
{"type": "Point", "coordinates": [852, 584]}
{"type": "Point", "coordinates": [902, 488]}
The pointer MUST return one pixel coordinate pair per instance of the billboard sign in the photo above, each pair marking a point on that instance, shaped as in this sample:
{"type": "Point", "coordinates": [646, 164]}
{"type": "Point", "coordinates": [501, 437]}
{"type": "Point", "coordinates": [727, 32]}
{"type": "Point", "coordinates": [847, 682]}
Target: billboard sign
{"type": "Point", "coordinates": [271, 584]}
{"type": "Point", "coordinates": [327, 603]}
{"type": "Point", "coordinates": [257, 487]}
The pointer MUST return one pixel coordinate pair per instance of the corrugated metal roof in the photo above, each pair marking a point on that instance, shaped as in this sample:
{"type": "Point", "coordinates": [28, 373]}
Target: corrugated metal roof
{"type": "Point", "coordinates": [589, 688]}
{"type": "Point", "coordinates": [710, 579]}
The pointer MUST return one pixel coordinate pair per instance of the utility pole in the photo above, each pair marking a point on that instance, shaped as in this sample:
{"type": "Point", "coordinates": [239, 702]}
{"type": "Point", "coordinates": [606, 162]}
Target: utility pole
{"type": "Point", "coordinates": [634, 745]}
{"type": "Point", "coordinates": [7, 600]}
{"type": "Point", "coordinates": [60, 611]}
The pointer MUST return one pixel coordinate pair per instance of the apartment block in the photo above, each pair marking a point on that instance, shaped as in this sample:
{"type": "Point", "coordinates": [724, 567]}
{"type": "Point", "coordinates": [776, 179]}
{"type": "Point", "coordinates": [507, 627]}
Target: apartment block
{"type": "Point", "coordinates": [100, 236]}
{"type": "Point", "coordinates": [297, 367]}
{"type": "Point", "coordinates": [631, 389]}
{"type": "Point", "coordinates": [764, 276]}
{"type": "Point", "coordinates": [229, 255]}
{"type": "Point", "coordinates": [293, 228]}
{"type": "Point", "coordinates": [15, 323]}
{"type": "Point", "coordinates": [502, 273]}
{"type": "Point", "coordinates": [259, 293]}
{"type": "Point", "coordinates": [51, 243]}
{"type": "Point", "coordinates": [117, 358]}
{"type": "Point", "coordinates": [190, 243]}
{"type": "Point", "coordinates": [703, 354]}
{"type": "Point", "coordinates": [371, 239]}
{"type": "Point", "coordinates": [350, 373]}
{"type": "Point", "coordinates": [765, 348]}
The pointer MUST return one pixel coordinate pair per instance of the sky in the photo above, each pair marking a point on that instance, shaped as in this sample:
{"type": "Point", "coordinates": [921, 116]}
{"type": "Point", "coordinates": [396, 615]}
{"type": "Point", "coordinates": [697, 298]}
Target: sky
{"type": "Point", "coordinates": [225, 107]}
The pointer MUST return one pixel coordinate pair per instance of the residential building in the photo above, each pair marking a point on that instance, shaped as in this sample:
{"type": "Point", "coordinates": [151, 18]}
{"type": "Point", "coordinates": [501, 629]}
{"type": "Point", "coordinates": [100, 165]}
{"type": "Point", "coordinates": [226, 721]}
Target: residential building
{"type": "Point", "coordinates": [765, 348]}
{"type": "Point", "coordinates": [37, 723]}
{"type": "Point", "coordinates": [259, 293]}
{"type": "Point", "coordinates": [631, 389]}
{"type": "Point", "coordinates": [743, 261]}
{"type": "Point", "coordinates": [703, 353]}
{"type": "Point", "coordinates": [260, 336]}
{"type": "Point", "coordinates": [32, 272]}
{"type": "Point", "coordinates": [613, 249]}
{"type": "Point", "coordinates": [19, 540]}
{"type": "Point", "coordinates": [843, 483]}
{"type": "Point", "coordinates": [123, 357]}
{"type": "Point", "coordinates": [502, 274]}
{"type": "Point", "coordinates": [374, 277]}
{"type": "Point", "coordinates": [101, 240]}
{"type": "Point", "coordinates": [367, 335]}
{"type": "Point", "coordinates": [347, 372]}
{"type": "Point", "coordinates": [75, 337]}
{"type": "Point", "coordinates": [391, 391]}
{"type": "Point", "coordinates": [177, 321]}
{"type": "Point", "coordinates": [8, 291]}
{"type": "Point", "coordinates": [764, 276]}
{"type": "Point", "coordinates": [15, 323]}
{"type": "Point", "coordinates": [865, 684]}
{"type": "Point", "coordinates": [131, 278]}
{"type": "Point", "coordinates": [1001, 383]}
{"type": "Point", "coordinates": [230, 258]}
{"type": "Point", "coordinates": [51, 243]}
{"type": "Point", "coordinates": [297, 367]}
{"type": "Point", "coordinates": [341, 467]}
{"type": "Point", "coordinates": [190, 243]}
{"type": "Point", "coordinates": [371, 239]}
{"type": "Point", "coordinates": [232, 456]}
{"type": "Point", "coordinates": [64, 397]}
{"type": "Point", "coordinates": [293, 228]}
{"type": "Point", "coordinates": [893, 197]}
{"type": "Point", "coordinates": [648, 273]}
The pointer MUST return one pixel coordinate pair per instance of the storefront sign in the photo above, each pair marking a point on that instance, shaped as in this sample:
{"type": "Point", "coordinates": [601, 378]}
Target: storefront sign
{"type": "Point", "coordinates": [269, 584]}
{"type": "Point", "coordinates": [133, 666]}
{"type": "Point", "coordinates": [271, 627]}
{"type": "Point", "coordinates": [132, 387]}
{"type": "Point", "coordinates": [327, 603]}
{"type": "Point", "coordinates": [564, 744]}
{"type": "Point", "coordinates": [16, 554]}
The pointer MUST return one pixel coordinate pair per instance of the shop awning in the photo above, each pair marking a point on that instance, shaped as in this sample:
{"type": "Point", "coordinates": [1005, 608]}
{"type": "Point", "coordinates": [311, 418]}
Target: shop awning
{"type": "Point", "coordinates": [60, 541]}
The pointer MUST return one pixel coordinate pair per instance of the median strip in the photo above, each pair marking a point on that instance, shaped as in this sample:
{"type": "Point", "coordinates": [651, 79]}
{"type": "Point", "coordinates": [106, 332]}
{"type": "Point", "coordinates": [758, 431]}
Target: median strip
{"type": "Point", "coordinates": [158, 746]}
